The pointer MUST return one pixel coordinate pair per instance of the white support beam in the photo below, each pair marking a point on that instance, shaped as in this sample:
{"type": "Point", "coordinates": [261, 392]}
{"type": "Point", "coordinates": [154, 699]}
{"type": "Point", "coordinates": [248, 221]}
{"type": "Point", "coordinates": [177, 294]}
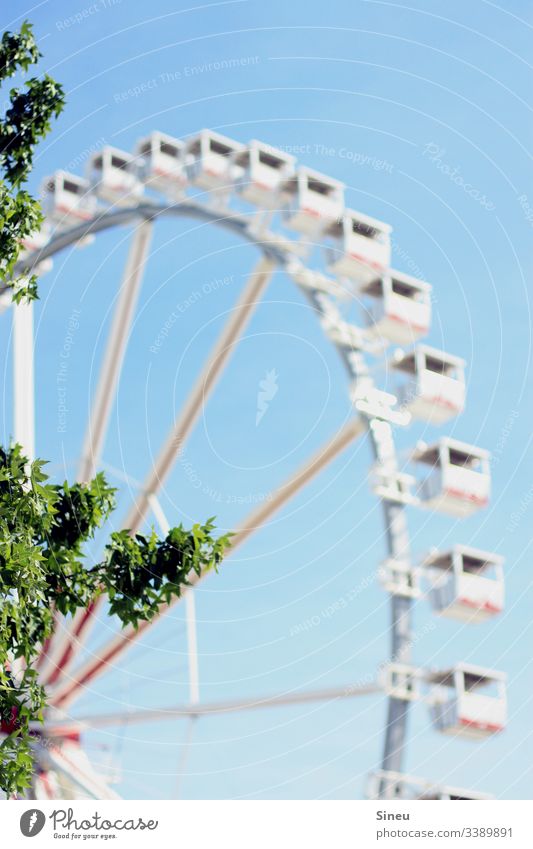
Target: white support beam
{"type": "Point", "coordinates": [57, 729]}
{"type": "Point", "coordinates": [70, 690]}
{"type": "Point", "coordinates": [23, 394]}
{"type": "Point", "coordinates": [23, 378]}
{"type": "Point", "coordinates": [115, 350]}
{"type": "Point", "coordinates": [238, 319]}
{"type": "Point", "coordinates": [211, 372]}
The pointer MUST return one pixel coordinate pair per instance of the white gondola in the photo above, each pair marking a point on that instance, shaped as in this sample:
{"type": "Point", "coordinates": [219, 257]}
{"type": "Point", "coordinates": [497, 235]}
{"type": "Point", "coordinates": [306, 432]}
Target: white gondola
{"type": "Point", "coordinates": [400, 307]}
{"type": "Point", "coordinates": [361, 248]}
{"type": "Point", "coordinates": [67, 199]}
{"type": "Point", "coordinates": [113, 175]}
{"type": "Point", "coordinates": [263, 171]}
{"type": "Point", "coordinates": [386, 784]}
{"type": "Point", "coordinates": [435, 388]}
{"type": "Point", "coordinates": [465, 583]}
{"type": "Point", "coordinates": [314, 202]}
{"type": "Point", "coordinates": [468, 701]}
{"type": "Point", "coordinates": [211, 162]}
{"type": "Point", "coordinates": [459, 481]}
{"type": "Point", "coordinates": [163, 163]}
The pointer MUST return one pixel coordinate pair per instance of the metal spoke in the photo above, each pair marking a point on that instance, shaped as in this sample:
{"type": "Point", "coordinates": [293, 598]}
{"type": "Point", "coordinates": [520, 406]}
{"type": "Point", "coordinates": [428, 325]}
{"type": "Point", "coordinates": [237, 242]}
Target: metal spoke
{"type": "Point", "coordinates": [83, 776]}
{"type": "Point", "coordinates": [23, 378]}
{"type": "Point", "coordinates": [71, 689]}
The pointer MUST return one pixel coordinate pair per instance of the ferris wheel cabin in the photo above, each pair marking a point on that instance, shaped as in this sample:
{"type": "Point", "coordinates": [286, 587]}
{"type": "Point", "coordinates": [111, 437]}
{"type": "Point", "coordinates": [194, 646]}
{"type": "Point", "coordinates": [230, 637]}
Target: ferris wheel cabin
{"type": "Point", "coordinates": [399, 578]}
{"type": "Point", "coordinates": [67, 199]}
{"type": "Point", "coordinates": [468, 701]}
{"type": "Point", "coordinates": [459, 479]}
{"type": "Point", "coordinates": [400, 307]}
{"type": "Point", "coordinates": [162, 165]}
{"type": "Point", "coordinates": [434, 390]}
{"type": "Point", "coordinates": [113, 175]}
{"type": "Point", "coordinates": [465, 583]}
{"type": "Point", "coordinates": [263, 171]}
{"type": "Point", "coordinates": [315, 202]}
{"type": "Point", "coordinates": [211, 160]}
{"type": "Point", "coordinates": [361, 248]}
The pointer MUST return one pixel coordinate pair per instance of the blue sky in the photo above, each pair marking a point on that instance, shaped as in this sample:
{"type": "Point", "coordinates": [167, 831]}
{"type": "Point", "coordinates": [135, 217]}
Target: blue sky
{"type": "Point", "coordinates": [391, 99]}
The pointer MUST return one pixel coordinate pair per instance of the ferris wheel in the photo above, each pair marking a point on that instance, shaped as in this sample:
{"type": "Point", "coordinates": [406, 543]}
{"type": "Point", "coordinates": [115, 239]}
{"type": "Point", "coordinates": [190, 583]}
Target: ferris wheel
{"type": "Point", "coordinates": [262, 196]}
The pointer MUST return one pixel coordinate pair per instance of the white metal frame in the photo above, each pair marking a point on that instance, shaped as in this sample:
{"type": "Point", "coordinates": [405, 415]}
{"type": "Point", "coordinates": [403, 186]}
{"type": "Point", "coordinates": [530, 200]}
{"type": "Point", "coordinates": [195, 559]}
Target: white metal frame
{"type": "Point", "coordinates": [375, 414]}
